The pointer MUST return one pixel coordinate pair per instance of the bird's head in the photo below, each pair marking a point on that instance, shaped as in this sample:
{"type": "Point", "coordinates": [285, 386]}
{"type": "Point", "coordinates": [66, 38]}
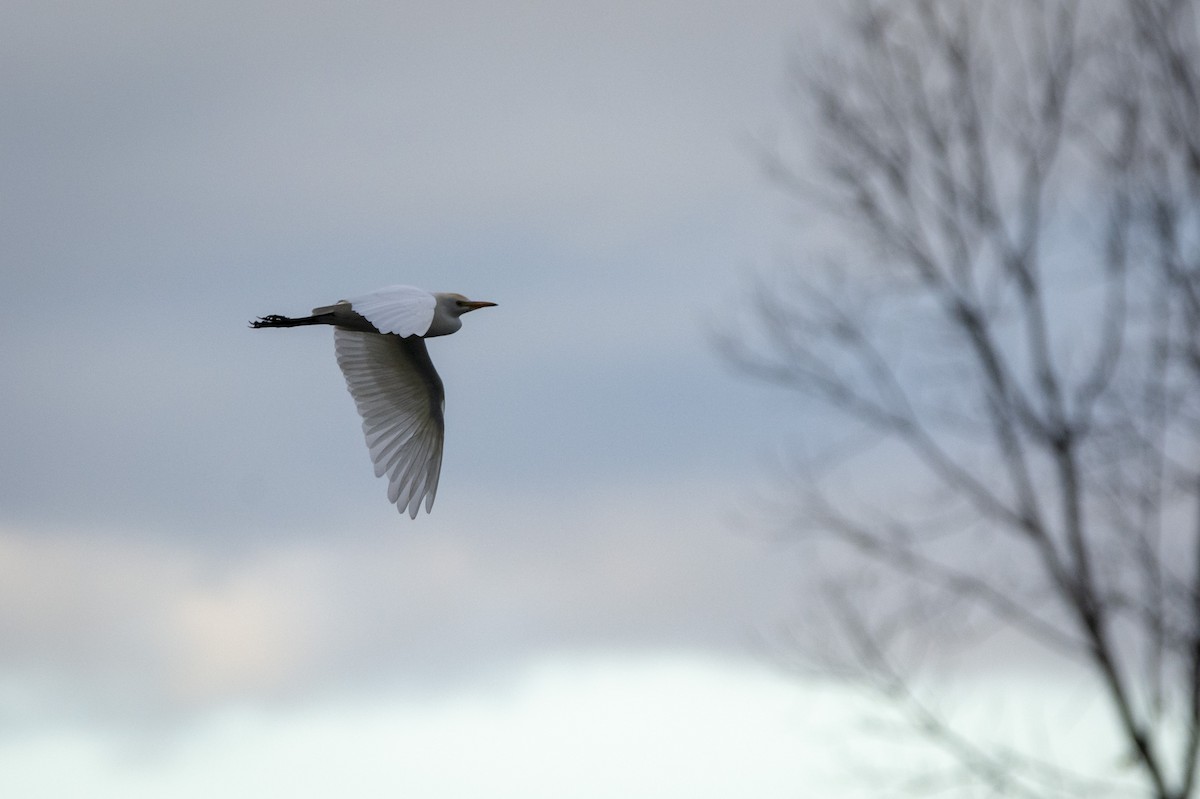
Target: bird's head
{"type": "Point", "coordinates": [448, 310]}
{"type": "Point", "coordinates": [457, 304]}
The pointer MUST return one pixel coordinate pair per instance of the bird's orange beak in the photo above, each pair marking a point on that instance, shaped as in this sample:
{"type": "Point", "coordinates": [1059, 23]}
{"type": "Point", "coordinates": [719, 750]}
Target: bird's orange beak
{"type": "Point", "coordinates": [475, 305]}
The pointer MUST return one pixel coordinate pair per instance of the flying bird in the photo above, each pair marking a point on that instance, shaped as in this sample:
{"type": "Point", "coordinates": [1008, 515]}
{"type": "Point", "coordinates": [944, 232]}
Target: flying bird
{"type": "Point", "coordinates": [379, 339]}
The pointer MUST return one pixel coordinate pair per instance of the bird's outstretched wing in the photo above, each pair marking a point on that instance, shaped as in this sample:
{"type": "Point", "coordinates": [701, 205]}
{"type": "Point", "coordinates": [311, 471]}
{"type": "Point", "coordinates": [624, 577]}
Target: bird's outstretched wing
{"type": "Point", "coordinates": [400, 398]}
{"type": "Point", "coordinates": [403, 310]}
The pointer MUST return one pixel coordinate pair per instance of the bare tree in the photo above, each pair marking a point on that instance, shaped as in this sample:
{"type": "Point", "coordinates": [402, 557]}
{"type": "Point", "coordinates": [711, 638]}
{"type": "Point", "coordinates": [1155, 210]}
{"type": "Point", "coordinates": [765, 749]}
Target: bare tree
{"type": "Point", "coordinates": [1013, 324]}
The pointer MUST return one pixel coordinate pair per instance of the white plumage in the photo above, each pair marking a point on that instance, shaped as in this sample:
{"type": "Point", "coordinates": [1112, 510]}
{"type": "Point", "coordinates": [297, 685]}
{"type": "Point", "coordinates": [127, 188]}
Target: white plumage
{"type": "Point", "coordinates": [379, 339]}
{"type": "Point", "coordinates": [403, 310]}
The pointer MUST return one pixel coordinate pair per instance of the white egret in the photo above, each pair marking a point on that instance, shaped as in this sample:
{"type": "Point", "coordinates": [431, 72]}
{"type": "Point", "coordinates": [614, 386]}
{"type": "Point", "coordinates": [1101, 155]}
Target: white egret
{"type": "Point", "coordinates": [380, 343]}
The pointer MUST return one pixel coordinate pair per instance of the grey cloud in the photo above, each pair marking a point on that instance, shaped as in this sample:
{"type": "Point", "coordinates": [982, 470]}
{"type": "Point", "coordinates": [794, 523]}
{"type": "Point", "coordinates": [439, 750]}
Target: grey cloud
{"type": "Point", "coordinates": [140, 627]}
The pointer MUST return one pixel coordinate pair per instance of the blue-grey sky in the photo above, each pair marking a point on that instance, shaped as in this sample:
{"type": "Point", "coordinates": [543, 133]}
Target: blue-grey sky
{"type": "Point", "coordinates": [194, 554]}
{"type": "Point", "coordinates": [171, 173]}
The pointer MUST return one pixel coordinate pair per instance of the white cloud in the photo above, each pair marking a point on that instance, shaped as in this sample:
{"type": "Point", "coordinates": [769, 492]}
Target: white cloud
{"type": "Point", "coordinates": [584, 727]}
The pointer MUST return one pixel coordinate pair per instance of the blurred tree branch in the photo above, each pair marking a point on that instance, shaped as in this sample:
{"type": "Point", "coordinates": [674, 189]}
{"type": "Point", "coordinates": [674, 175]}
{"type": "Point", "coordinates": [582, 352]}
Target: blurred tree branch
{"type": "Point", "coordinates": [1017, 308]}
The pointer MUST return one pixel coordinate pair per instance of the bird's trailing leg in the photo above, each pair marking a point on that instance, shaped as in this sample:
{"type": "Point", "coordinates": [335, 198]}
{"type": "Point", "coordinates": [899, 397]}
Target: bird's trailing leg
{"type": "Point", "coordinates": [275, 320]}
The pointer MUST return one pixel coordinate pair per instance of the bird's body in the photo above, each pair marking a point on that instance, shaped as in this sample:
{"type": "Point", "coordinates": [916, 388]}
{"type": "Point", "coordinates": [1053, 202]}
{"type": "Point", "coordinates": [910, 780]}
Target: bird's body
{"type": "Point", "coordinates": [380, 343]}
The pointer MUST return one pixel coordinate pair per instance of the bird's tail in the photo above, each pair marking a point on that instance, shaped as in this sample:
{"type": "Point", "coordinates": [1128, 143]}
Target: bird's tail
{"type": "Point", "coordinates": [275, 320]}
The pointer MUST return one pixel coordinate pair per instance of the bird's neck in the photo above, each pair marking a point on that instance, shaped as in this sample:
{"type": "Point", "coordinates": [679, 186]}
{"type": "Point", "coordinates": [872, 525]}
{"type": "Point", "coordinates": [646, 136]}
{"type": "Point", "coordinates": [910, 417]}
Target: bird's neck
{"type": "Point", "coordinates": [444, 325]}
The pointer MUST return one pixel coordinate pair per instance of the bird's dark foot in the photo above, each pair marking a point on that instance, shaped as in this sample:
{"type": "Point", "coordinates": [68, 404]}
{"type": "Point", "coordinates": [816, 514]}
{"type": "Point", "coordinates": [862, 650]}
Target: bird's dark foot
{"type": "Point", "coordinates": [270, 320]}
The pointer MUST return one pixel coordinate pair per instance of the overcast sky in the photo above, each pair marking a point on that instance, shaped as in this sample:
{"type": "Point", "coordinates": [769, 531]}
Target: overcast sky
{"type": "Point", "coordinates": [203, 590]}
{"type": "Point", "coordinates": [198, 570]}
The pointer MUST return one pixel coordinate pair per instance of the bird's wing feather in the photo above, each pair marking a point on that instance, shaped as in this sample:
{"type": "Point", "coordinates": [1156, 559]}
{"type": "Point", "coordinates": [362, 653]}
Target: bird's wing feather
{"type": "Point", "coordinates": [403, 310]}
{"type": "Point", "coordinates": [400, 398]}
